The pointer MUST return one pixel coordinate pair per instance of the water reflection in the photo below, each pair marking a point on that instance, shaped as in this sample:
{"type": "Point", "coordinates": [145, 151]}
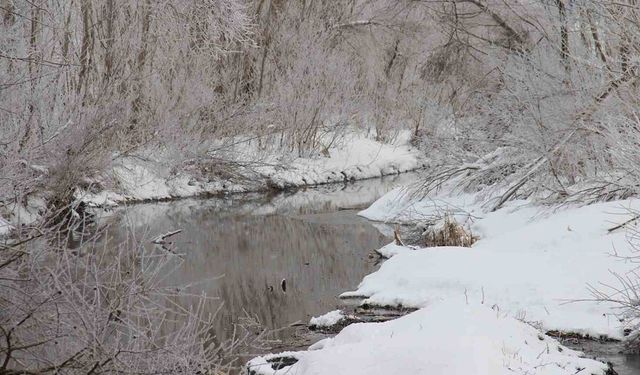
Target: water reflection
{"type": "Point", "coordinates": [312, 238]}
{"type": "Point", "coordinates": [255, 253]}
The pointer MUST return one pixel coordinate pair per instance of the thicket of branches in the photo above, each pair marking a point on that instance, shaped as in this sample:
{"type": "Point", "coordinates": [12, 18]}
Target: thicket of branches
{"type": "Point", "coordinates": [541, 97]}
{"type": "Point", "coordinates": [101, 308]}
{"type": "Point", "coordinates": [549, 85]}
{"type": "Point", "coordinates": [513, 97]}
{"type": "Point", "coordinates": [82, 82]}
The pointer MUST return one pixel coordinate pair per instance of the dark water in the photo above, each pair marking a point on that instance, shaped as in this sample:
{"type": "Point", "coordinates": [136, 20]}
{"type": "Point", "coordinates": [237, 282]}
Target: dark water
{"type": "Point", "coordinates": [240, 248]}
{"type": "Point", "coordinates": [623, 364]}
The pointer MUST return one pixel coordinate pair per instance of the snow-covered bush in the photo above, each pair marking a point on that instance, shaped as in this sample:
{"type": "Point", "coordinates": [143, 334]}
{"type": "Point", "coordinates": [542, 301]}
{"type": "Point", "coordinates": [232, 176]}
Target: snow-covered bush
{"type": "Point", "coordinates": [83, 82]}
{"type": "Point", "coordinates": [551, 85]}
{"type": "Point", "coordinates": [96, 307]}
{"type": "Point", "coordinates": [626, 291]}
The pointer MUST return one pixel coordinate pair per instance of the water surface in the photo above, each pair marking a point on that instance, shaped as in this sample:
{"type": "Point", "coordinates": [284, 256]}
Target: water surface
{"type": "Point", "coordinates": [239, 248]}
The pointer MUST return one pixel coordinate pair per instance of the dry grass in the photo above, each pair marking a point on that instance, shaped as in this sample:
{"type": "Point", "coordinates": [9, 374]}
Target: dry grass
{"type": "Point", "coordinates": [448, 232]}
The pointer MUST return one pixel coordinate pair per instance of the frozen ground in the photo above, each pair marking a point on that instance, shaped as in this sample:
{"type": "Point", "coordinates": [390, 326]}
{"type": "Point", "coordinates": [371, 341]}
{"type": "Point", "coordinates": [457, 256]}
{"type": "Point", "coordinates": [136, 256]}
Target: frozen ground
{"type": "Point", "coordinates": [445, 338]}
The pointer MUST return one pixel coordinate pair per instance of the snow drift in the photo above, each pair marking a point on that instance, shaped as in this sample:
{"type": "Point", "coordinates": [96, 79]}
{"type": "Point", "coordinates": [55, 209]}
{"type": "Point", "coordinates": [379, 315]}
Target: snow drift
{"type": "Point", "coordinates": [445, 338]}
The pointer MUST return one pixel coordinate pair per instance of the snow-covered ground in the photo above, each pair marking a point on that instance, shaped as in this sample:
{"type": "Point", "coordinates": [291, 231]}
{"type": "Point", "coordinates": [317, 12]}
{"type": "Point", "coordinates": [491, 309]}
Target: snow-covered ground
{"type": "Point", "coordinates": [143, 180]}
{"type": "Point", "coordinates": [536, 263]}
{"type": "Point", "coordinates": [355, 156]}
{"type": "Point", "coordinates": [445, 338]}
{"type": "Point", "coordinates": [402, 206]}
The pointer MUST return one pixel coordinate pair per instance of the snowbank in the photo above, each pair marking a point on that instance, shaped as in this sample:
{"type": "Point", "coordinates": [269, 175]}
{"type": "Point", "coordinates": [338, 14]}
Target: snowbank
{"type": "Point", "coordinates": [401, 206]}
{"type": "Point", "coordinates": [445, 338]}
{"type": "Point", "coordinates": [530, 262]}
{"type": "Point", "coordinates": [355, 157]}
{"type": "Point", "coordinates": [389, 250]}
{"type": "Point", "coordinates": [144, 180]}
{"type": "Point", "coordinates": [482, 309]}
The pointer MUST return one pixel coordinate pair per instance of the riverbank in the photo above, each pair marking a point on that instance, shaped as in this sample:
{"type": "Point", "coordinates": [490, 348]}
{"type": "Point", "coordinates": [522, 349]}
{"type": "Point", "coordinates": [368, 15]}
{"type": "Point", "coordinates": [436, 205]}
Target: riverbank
{"type": "Point", "coordinates": [154, 176]}
{"type": "Point", "coordinates": [353, 157]}
{"type": "Point", "coordinates": [529, 274]}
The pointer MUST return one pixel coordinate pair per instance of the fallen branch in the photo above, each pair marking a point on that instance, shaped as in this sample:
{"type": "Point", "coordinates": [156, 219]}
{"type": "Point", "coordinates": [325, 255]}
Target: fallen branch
{"type": "Point", "coordinates": [356, 24]}
{"type": "Point", "coordinates": [160, 240]}
{"type": "Point", "coordinates": [612, 229]}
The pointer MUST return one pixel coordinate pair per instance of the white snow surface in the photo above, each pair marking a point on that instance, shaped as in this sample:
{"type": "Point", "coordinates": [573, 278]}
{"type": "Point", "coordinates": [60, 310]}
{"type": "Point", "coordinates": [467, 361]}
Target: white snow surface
{"type": "Point", "coordinates": [532, 262]}
{"type": "Point", "coordinates": [354, 157]}
{"type": "Point", "coordinates": [5, 227]}
{"type": "Point", "coordinates": [144, 180]}
{"type": "Point", "coordinates": [389, 250]}
{"type": "Point", "coordinates": [445, 338]}
{"type": "Point", "coordinates": [401, 206]}
{"type": "Point", "coordinates": [328, 319]}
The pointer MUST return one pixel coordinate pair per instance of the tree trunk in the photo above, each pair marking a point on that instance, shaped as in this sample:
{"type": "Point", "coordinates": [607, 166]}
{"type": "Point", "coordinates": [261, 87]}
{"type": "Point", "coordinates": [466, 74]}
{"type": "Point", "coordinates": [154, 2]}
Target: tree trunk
{"type": "Point", "coordinates": [86, 51]}
{"type": "Point", "coordinates": [141, 61]}
{"type": "Point", "coordinates": [109, 40]}
{"type": "Point", "coordinates": [564, 36]}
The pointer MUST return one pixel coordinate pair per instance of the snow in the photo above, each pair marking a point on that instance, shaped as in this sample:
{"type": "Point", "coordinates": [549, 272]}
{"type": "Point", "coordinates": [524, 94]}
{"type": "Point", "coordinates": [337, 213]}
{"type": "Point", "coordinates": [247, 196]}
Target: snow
{"type": "Point", "coordinates": [392, 249]}
{"type": "Point", "coordinates": [401, 206]}
{"type": "Point", "coordinates": [533, 262]}
{"type": "Point", "coordinates": [353, 157]}
{"type": "Point", "coordinates": [5, 227]}
{"type": "Point", "coordinates": [143, 180]}
{"type": "Point", "coordinates": [327, 320]}
{"type": "Point", "coordinates": [17, 214]}
{"type": "Point", "coordinates": [444, 338]}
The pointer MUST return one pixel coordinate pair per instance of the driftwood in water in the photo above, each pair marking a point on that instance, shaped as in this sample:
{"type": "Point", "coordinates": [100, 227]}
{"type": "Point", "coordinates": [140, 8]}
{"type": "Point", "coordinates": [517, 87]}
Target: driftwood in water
{"type": "Point", "coordinates": [160, 240]}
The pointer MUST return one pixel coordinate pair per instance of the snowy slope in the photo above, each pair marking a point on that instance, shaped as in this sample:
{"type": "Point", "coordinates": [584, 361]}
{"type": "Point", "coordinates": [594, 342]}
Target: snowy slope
{"type": "Point", "coordinates": [445, 338]}
{"type": "Point", "coordinates": [401, 206]}
{"type": "Point", "coordinates": [328, 319]}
